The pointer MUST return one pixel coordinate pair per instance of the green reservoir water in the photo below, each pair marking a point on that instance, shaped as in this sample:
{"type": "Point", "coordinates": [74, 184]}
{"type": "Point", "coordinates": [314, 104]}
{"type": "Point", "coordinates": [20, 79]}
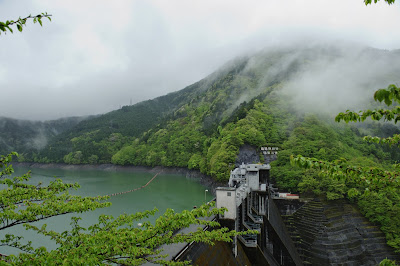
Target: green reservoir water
{"type": "Point", "coordinates": [165, 191]}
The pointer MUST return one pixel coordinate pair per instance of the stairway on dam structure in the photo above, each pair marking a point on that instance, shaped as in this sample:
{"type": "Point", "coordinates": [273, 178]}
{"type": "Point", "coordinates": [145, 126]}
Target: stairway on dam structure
{"type": "Point", "coordinates": [324, 233]}
{"type": "Point", "coordinates": [336, 233]}
{"type": "Point", "coordinates": [292, 231]}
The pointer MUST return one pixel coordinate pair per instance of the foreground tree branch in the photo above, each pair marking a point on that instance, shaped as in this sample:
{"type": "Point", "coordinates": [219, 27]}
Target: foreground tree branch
{"type": "Point", "coordinates": [110, 240]}
{"type": "Point", "coordinates": [368, 2]}
{"type": "Point", "coordinates": [122, 241]}
{"type": "Point", "coordinates": [375, 190]}
{"type": "Point", "coordinates": [21, 22]}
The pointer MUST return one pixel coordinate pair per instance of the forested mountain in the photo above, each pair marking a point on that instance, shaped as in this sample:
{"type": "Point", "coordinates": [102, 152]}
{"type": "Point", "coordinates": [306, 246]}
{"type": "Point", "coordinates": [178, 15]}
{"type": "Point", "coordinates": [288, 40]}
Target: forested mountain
{"type": "Point", "coordinates": [286, 97]}
{"type": "Point", "coordinates": [29, 137]}
{"type": "Point", "coordinates": [96, 140]}
{"type": "Point", "coordinates": [277, 96]}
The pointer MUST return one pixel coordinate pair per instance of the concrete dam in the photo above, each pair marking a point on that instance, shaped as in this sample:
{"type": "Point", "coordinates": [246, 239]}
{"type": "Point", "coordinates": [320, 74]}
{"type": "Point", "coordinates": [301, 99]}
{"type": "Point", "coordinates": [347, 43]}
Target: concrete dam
{"type": "Point", "coordinates": [290, 230]}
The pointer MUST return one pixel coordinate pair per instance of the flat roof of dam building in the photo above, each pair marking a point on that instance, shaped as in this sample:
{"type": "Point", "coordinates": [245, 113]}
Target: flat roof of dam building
{"type": "Point", "coordinates": [255, 167]}
{"type": "Point", "coordinates": [226, 188]}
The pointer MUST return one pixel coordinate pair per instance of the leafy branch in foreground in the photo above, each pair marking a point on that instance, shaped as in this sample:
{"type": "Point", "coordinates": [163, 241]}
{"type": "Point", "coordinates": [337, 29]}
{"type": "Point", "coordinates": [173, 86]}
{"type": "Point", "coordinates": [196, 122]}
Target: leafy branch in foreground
{"type": "Point", "coordinates": [118, 240]}
{"type": "Point", "coordinates": [122, 241]}
{"type": "Point", "coordinates": [390, 95]}
{"type": "Point", "coordinates": [376, 191]}
{"type": "Point", "coordinates": [393, 140]}
{"type": "Point", "coordinates": [368, 2]}
{"type": "Point", "coordinates": [22, 203]}
{"type": "Point", "coordinates": [20, 22]}
{"type": "Point", "coordinates": [367, 177]}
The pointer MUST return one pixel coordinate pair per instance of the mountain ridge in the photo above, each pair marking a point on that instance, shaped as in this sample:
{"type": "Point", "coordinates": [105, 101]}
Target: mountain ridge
{"type": "Point", "coordinates": [284, 97]}
{"type": "Point", "coordinates": [223, 97]}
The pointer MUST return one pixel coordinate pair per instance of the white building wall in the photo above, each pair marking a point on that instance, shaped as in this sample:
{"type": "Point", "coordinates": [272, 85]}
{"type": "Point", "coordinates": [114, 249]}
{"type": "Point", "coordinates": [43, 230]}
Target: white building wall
{"type": "Point", "coordinates": [227, 199]}
{"type": "Point", "coordinates": [253, 180]}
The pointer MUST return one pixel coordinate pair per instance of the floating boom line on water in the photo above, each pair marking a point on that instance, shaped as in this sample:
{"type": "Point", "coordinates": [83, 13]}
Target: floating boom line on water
{"type": "Point", "coordinates": [136, 189]}
{"type": "Point", "coordinates": [111, 195]}
{"type": "Point", "coordinates": [114, 194]}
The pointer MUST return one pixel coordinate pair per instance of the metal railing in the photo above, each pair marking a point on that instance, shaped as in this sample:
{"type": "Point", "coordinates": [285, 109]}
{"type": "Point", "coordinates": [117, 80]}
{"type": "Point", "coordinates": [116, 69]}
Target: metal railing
{"type": "Point", "coordinates": [248, 241]}
{"type": "Point", "coordinates": [188, 245]}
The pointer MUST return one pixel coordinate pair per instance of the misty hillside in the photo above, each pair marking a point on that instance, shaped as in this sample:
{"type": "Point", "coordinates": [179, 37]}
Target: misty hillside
{"type": "Point", "coordinates": [104, 135]}
{"type": "Point", "coordinates": [286, 97]}
{"type": "Point", "coordinates": [28, 137]}
{"type": "Point", "coordinates": [258, 99]}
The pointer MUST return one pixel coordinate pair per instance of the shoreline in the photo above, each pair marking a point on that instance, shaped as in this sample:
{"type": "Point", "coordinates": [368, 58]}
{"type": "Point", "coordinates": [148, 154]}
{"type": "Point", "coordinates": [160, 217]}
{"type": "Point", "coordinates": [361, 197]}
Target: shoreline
{"type": "Point", "coordinates": [203, 179]}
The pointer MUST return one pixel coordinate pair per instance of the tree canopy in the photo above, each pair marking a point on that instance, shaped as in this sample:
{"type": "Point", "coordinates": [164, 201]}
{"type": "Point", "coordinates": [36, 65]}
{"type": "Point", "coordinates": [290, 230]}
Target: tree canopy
{"type": "Point", "coordinates": [112, 240]}
{"type": "Point", "coordinates": [21, 22]}
{"type": "Point", "coordinates": [374, 189]}
{"type": "Point", "coordinates": [368, 2]}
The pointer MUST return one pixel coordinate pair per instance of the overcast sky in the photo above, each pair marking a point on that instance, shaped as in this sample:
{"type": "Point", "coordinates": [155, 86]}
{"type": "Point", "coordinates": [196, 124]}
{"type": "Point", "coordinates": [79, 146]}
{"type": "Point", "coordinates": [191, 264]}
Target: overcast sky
{"type": "Point", "coordinates": [98, 55]}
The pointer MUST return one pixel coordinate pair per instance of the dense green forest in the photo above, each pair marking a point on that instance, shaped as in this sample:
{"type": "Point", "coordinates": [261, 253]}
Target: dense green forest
{"type": "Point", "coordinates": [204, 125]}
{"type": "Point", "coordinates": [247, 102]}
{"type": "Point", "coordinates": [96, 140]}
{"type": "Point", "coordinates": [30, 137]}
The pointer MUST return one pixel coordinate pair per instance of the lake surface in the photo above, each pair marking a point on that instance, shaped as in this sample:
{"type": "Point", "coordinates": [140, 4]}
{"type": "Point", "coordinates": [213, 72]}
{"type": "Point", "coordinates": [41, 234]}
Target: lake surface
{"type": "Point", "coordinates": [165, 191]}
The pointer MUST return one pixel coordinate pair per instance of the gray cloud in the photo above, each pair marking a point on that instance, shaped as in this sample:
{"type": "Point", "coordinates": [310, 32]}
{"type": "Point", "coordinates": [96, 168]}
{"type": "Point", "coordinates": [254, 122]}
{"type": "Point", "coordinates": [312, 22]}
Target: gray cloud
{"type": "Point", "coordinates": [345, 81]}
{"type": "Point", "coordinates": [97, 55]}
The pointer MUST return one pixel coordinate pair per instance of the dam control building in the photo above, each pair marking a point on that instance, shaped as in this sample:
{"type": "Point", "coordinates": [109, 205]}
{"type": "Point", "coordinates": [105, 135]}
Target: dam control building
{"type": "Point", "coordinates": [249, 204]}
